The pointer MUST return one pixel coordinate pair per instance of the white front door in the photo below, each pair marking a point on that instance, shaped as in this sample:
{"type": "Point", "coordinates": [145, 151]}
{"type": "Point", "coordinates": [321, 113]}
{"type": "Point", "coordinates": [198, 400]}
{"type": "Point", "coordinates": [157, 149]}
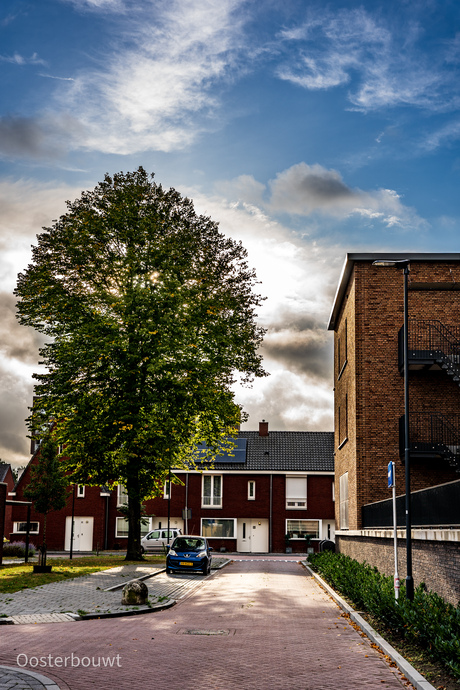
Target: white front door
{"type": "Point", "coordinates": [252, 536]}
{"type": "Point", "coordinates": [82, 533]}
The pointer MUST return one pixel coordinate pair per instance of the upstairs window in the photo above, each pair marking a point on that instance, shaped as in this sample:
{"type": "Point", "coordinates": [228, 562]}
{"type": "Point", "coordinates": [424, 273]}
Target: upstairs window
{"type": "Point", "coordinates": [80, 491]}
{"type": "Point", "coordinates": [122, 496]}
{"type": "Point", "coordinates": [251, 491]}
{"type": "Point", "coordinates": [296, 493]}
{"type": "Point", "coordinates": [211, 491]}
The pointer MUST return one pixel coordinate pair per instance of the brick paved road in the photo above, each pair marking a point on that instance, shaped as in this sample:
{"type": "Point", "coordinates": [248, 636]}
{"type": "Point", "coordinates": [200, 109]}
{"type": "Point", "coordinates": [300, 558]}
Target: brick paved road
{"type": "Point", "coordinates": [256, 625]}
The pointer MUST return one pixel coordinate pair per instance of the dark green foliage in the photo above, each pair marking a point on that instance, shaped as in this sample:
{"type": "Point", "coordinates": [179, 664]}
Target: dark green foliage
{"type": "Point", "coordinates": [149, 311]}
{"type": "Point", "coordinates": [428, 620]}
{"type": "Point", "coordinates": [48, 483]}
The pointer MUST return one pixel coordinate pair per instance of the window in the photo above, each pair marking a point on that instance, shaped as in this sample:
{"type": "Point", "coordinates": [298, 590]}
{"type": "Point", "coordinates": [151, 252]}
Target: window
{"type": "Point", "coordinates": [21, 527]}
{"type": "Point", "coordinates": [343, 495]}
{"type": "Point", "coordinates": [298, 529]}
{"type": "Point", "coordinates": [222, 529]}
{"type": "Point", "coordinates": [80, 491]}
{"type": "Point", "coordinates": [251, 491]}
{"type": "Point", "coordinates": [296, 493]}
{"type": "Point", "coordinates": [166, 490]}
{"type": "Point", "coordinates": [343, 423]}
{"type": "Point", "coordinates": [212, 491]}
{"type": "Point", "coordinates": [122, 496]}
{"type": "Point", "coordinates": [121, 528]}
{"type": "Point", "coordinates": [342, 350]}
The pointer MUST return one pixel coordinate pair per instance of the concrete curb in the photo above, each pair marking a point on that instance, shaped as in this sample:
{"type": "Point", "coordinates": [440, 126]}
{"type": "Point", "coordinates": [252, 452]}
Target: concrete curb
{"type": "Point", "coordinates": [122, 614]}
{"type": "Point", "coordinates": [46, 682]}
{"type": "Point", "coordinates": [412, 675]}
{"type": "Point", "coordinates": [142, 577]}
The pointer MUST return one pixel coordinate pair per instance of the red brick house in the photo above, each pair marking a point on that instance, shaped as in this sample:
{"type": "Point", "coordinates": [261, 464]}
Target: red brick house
{"type": "Point", "coordinates": [6, 477]}
{"type": "Point", "coordinates": [275, 483]}
{"type": "Point", "coordinates": [367, 318]}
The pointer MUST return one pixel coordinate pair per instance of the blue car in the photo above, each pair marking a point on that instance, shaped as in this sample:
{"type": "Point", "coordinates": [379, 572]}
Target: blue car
{"type": "Point", "coordinates": [189, 553]}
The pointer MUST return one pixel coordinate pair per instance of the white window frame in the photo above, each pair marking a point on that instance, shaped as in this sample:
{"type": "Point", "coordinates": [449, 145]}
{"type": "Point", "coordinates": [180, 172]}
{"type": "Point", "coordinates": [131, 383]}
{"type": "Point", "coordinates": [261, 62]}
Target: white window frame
{"type": "Point", "coordinates": [296, 502]}
{"type": "Point", "coordinates": [218, 520]}
{"type": "Point", "coordinates": [343, 501]}
{"type": "Point", "coordinates": [122, 496]}
{"type": "Point", "coordinates": [80, 491]}
{"type": "Point", "coordinates": [165, 490]}
{"type": "Point", "coordinates": [16, 526]}
{"type": "Point", "coordinates": [292, 528]}
{"type": "Point", "coordinates": [122, 531]}
{"type": "Point", "coordinates": [214, 501]}
{"type": "Point", "coordinates": [251, 494]}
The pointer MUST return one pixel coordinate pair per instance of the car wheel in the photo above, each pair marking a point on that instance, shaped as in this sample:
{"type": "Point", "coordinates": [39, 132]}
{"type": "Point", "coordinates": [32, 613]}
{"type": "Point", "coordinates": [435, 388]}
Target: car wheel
{"type": "Point", "coordinates": [205, 569]}
{"type": "Point", "coordinates": [142, 550]}
{"type": "Point", "coordinates": [168, 570]}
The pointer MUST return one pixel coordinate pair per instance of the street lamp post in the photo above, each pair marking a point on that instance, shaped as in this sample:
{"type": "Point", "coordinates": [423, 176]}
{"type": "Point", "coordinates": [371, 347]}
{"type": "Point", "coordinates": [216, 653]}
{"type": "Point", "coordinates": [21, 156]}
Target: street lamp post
{"type": "Point", "coordinates": [404, 264]}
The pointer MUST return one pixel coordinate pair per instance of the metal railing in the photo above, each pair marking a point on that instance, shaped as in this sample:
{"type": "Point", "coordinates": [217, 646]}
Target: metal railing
{"type": "Point", "coordinates": [433, 433]}
{"type": "Point", "coordinates": [432, 340]}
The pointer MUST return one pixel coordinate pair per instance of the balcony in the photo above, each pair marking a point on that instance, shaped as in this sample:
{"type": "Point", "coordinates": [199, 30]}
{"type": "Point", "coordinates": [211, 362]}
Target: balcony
{"type": "Point", "coordinates": [432, 346]}
{"type": "Point", "coordinates": [432, 435]}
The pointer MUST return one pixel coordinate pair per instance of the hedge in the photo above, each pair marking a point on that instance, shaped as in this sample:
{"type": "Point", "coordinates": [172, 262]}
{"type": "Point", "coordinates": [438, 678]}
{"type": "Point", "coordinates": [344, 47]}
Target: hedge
{"type": "Point", "coordinates": [428, 620]}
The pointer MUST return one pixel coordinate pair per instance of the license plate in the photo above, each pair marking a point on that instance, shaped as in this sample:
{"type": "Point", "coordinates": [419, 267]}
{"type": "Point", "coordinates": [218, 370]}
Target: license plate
{"type": "Point", "coordinates": [185, 563]}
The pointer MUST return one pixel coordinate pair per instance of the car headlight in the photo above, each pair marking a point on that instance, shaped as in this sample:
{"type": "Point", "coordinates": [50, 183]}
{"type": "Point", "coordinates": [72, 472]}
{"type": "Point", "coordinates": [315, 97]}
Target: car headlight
{"type": "Point", "coordinates": [171, 552]}
{"type": "Point", "coordinates": [202, 554]}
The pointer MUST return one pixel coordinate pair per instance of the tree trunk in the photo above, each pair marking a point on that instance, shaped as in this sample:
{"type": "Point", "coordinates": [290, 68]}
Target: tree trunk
{"type": "Point", "coordinates": [134, 552]}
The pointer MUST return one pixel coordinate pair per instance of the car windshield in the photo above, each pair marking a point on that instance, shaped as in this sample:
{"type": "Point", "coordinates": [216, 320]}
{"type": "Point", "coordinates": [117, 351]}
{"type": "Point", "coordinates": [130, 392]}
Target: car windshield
{"type": "Point", "coordinates": [190, 544]}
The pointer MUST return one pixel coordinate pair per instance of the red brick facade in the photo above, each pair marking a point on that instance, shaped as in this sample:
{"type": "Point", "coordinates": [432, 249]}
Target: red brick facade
{"type": "Point", "coordinates": [265, 509]}
{"type": "Point", "coordinates": [369, 392]}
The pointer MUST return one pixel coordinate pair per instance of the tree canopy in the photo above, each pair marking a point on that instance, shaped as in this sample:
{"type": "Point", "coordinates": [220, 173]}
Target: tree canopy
{"type": "Point", "coordinates": [150, 311]}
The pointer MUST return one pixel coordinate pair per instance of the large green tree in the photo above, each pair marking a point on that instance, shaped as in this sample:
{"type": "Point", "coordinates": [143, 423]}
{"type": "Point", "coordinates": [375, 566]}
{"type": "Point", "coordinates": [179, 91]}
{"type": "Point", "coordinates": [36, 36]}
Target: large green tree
{"type": "Point", "coordinates": [150, 311]}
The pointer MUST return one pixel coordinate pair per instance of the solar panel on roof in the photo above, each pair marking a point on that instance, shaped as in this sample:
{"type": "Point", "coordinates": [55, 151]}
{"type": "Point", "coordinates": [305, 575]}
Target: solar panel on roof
{"type": "Point", "coordinates": [235, 455]}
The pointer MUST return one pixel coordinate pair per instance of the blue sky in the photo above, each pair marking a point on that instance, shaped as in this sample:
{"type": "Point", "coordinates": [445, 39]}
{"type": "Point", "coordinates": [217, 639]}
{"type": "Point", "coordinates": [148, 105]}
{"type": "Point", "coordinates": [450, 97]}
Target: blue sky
{"type": "Point", "coordinates": [306, 129]}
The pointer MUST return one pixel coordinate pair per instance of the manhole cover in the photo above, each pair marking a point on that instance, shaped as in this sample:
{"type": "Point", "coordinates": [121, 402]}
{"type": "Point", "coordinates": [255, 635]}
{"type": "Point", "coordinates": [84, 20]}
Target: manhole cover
{"type": "Point", "coordinates": [206, 632]}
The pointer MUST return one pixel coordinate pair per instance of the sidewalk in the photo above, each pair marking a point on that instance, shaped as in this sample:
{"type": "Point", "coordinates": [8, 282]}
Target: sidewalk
{"type": "Point", "coordinates": [95, 595]}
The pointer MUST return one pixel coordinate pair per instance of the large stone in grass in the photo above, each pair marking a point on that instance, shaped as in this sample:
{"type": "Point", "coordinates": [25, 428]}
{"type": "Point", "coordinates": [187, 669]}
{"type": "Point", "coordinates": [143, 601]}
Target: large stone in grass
{"type": "Point", "coordinates": [135, 593]}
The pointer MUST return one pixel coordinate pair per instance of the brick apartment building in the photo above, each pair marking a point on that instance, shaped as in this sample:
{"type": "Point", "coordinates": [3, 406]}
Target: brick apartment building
{"type": "Point", "coordinates": [274, 483]}
{"type": "Point", "coordinates": [366, 318]}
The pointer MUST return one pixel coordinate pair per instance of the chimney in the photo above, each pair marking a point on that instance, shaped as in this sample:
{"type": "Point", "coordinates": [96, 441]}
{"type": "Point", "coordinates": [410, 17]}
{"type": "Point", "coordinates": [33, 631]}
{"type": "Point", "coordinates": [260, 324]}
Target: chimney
{"type": "Point", "coordinates": [263, 428]}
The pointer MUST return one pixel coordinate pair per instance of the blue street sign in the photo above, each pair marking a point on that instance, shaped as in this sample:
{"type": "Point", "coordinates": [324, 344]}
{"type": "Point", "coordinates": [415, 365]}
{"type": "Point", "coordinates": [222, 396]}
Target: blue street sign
{"type": "Point", "coordinates": [391, 475]}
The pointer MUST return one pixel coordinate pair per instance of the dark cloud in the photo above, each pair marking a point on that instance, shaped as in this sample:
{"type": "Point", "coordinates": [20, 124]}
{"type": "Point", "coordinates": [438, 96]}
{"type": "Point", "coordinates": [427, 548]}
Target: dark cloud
{"type": "Point", "coordinates": [15, 399]}
{"type": "Point", "coordinates": [307, 352]}
{"type": "Point", "coordinates": [304, 188]}
{"type": "Point", "coordinates": [37, 137]}
{"type": "Point", "coordinates": [16, 341]}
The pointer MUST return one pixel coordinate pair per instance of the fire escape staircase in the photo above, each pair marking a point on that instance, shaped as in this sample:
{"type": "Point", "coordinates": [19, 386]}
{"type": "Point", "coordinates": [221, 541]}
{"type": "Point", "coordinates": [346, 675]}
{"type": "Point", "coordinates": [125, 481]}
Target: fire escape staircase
{"type": "Point", "coordinates": [432, 345]}
{"type": "Point", "coordinates": [432, 435]}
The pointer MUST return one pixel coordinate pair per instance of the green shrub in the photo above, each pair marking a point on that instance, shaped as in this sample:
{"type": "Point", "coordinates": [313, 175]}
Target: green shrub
{"type": "Point", "coordinates": [18, 549]}
{"type": "Point", "coordinates": [428, 620]}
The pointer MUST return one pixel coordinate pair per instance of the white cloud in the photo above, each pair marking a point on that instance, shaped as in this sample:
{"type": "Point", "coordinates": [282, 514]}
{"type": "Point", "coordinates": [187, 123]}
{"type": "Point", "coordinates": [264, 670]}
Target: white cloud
{"type": "Point", "coordinates": [155, 91]}
{"type": "Point", "coordinates": [383, 68]}
{"type": "Point", "coordinates": [18, 59]}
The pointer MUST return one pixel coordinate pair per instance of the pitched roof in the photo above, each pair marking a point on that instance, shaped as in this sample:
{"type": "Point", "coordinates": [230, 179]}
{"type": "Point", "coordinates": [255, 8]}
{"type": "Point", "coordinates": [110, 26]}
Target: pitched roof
{"type": "Point", "coordinates": [4, 471]}
{"type": "Point", "coordinates": [285, 451]}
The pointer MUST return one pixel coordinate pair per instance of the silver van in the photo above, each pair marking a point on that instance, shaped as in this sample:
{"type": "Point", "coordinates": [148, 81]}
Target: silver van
{"type": "Point", "coordinates": [154, 540]}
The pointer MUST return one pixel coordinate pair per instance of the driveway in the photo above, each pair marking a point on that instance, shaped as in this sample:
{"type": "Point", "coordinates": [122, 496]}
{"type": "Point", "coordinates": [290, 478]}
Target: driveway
{"type": "Point", "coordinates": [259, 624]}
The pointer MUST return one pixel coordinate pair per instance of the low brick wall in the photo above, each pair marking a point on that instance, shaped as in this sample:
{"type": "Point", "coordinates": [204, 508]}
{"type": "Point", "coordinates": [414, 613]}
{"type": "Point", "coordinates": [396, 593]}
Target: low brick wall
{"type": "Point", "coordinates": [436, 563]}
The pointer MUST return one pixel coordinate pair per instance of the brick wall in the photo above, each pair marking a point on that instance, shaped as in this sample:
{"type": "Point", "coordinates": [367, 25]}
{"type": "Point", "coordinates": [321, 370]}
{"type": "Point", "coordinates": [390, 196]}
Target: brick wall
{"type": "Point", "coordinates": [435, 563]}
{"type": "Point", "coordinates": [373, 310]}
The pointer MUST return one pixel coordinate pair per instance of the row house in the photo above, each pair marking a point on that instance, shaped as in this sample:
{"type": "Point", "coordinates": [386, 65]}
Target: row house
{"type": "Point", "coordinates": [275, 488]}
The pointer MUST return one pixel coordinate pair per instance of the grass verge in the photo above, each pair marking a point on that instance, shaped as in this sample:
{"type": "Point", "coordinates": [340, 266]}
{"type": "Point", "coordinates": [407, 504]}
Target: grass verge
{"type": "Point", "coordinates": [14, 578]}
